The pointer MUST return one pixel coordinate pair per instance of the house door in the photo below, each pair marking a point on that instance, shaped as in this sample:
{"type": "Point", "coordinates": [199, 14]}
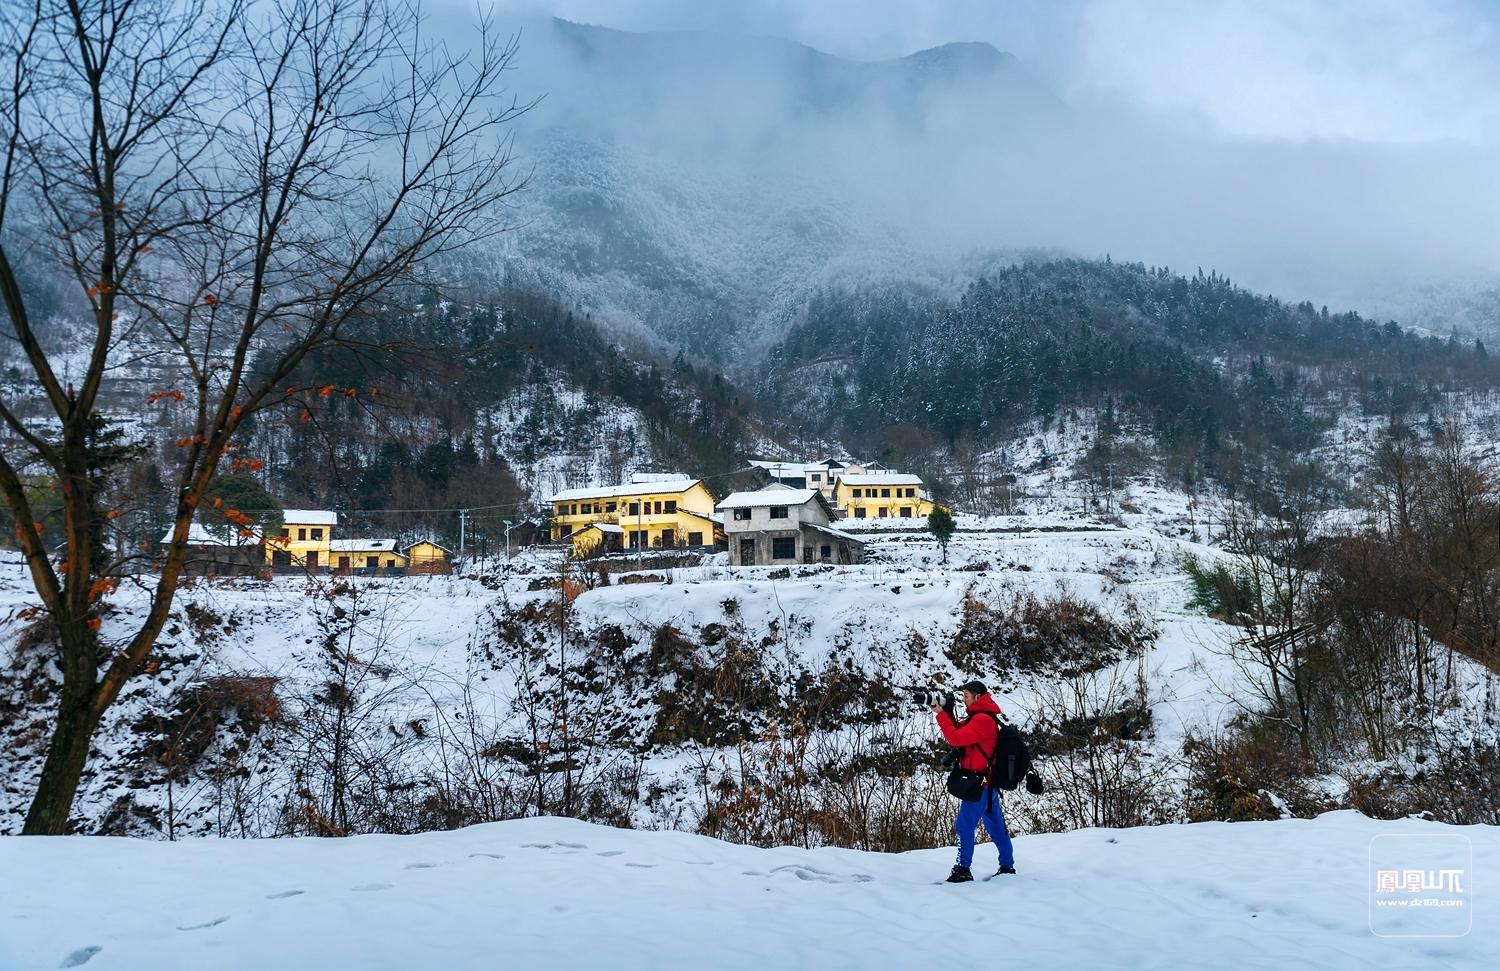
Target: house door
{"type": "Point", "coordinates": [312, 561]}
{"type": "Point", "coordinates": [344, 565]}
{"type": "Point", "coordinates": [747, 552]}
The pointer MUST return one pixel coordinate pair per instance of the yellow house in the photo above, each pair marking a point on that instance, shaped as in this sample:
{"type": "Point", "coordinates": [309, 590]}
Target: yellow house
{"type": "Point", "coordinates": [428, 557]}
{"type": "Point", "coordinates": [366, 556]}
{"type": "Point", "coordinates": [661, 514]}
{"type": "Point", "coordinates": [304, 541]}
{"type": "Point", "coordinates": [882, 495]}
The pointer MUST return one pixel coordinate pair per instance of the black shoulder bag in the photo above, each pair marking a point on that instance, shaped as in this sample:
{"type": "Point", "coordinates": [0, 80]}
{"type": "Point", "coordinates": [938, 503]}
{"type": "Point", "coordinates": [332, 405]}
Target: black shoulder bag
{"type": "Point", "coordinates": [967, 784]}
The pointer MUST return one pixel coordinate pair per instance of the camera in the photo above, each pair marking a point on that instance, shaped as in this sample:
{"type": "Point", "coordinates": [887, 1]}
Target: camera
{"type": "Point", "coordinates": [943, 699]}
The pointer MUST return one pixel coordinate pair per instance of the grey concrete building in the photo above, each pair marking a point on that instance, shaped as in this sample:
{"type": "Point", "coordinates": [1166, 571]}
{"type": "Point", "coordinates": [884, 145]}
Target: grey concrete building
{"type": "Point", "coordinates": [780, 527]}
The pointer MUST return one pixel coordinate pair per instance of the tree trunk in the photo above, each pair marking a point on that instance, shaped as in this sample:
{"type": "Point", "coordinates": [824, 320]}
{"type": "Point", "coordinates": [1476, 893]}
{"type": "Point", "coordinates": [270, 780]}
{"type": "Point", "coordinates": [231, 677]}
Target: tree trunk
{"type": "Point", "coordinates": [66, 757]}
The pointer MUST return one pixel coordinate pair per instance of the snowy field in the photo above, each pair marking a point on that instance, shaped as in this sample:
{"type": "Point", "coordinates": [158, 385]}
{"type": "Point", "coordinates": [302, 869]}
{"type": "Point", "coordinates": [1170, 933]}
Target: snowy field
{"type": "Point", "coordinates": [552, 892]}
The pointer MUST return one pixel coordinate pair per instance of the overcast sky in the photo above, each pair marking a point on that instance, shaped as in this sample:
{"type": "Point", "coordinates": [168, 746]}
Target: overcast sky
{"type": "Point", "coordinates": [1375, 70]}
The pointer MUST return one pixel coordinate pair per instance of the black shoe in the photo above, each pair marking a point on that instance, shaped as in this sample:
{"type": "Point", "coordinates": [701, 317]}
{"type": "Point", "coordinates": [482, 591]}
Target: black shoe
{"type": "Point", "coordinates": [1005, 869]}
{"type": "Point", "coordinates": [960, 874]}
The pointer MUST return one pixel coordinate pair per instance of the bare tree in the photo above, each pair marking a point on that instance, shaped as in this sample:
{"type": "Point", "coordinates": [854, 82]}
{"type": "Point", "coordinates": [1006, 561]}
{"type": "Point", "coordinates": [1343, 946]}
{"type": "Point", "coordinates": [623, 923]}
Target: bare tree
{"type": "Point", "coordinates": [231, 186]}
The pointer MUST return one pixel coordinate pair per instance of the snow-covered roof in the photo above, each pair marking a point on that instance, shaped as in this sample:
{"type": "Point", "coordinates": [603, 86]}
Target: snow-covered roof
{"type": "Point", "coordinates": [848, 537]}
{"type": "Point", "coordinates": [641, 478]}
{"type": "Point", "coordinates": [198, 535]}
{"type": "Point", "coordinates": [411, 546]}
{"type": "Point", "coordinates": [610, 528]}
{"type": "Point", "coordinates": [634, 489]}
{"type": "Point", "coordinates": [309, 517]}
{"type": "Point", "coordinates": [881, 479]}
{"type": "Point", "coordinates": [711, 517]}
{"type": "Point", "coordinates": [767, 497]}
{"type": "Point", "coordinates": [364, 546]}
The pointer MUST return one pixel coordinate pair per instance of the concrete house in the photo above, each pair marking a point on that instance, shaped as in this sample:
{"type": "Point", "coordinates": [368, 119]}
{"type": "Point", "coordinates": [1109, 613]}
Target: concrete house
{"type": "Point", "coordinates": [305, 540]}
{"type": "Point", "coordinates": [780, 527]}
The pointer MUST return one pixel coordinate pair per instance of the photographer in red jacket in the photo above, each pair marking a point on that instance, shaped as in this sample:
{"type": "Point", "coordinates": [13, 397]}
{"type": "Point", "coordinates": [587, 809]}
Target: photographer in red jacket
{"type": "Point", "coordinates": [976, 735]}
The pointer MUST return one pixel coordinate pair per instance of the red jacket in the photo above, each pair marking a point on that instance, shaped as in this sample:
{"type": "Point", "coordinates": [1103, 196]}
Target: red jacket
{"type": "Point", "coordinates": [976, 734]}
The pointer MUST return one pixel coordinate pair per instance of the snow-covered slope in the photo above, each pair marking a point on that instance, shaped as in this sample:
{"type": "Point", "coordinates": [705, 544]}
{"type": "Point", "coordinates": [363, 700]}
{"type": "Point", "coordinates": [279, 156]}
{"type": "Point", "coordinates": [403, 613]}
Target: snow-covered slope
{"type": "Point", "coordinates": [550, 892]}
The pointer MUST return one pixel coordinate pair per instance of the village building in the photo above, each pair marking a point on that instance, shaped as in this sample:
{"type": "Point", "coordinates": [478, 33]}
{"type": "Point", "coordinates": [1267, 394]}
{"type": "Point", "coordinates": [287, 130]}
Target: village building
{"type": "Point", "coordinates": [428, 557]}
{"type": "Point", "coordinates": [211, 555]}
{"type": "Point", "coordinates": [367, 557]}
{"type": "Point", "coordinates": [776, 527]}
{"type": "Point", "coordinates": [881, 495]}
{"type": "Point", "coordinates": [805, 475]}
{"type": "Point", "coordinates": [661, 513]}
{"type": "Point", "coordinates": [304, 541]}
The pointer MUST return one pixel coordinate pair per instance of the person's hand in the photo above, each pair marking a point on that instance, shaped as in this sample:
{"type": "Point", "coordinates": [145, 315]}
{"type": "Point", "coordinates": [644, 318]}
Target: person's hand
{"type": "Point", "coordinates": [935, 705]}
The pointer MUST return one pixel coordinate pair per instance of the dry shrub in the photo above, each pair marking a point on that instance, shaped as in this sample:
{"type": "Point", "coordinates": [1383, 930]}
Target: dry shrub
{"type": "Point", "coordinates": [1458, 785]}
{"type": "Point", "coordinates": [1062, 635]}
{"type": "Point", "coordinates": [1233, 776]}
{"type": "Point", "coordinates": [180, 737]}
{"type": "Point", "coordinates": [865, 791]}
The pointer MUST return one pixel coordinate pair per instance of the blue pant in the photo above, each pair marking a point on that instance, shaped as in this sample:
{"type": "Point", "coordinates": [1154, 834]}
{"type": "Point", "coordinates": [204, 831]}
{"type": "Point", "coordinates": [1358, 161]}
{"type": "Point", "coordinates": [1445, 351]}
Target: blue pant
{"type": "Point", "coordinates": [970, 814]}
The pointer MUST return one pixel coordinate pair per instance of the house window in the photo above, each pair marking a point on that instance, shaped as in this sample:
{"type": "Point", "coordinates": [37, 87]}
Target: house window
{"type": "Point", "coordinates": [815, 477]}
{"type": "Point", "coordinates": [695, 539]}
{"type": "Point", "coordinates": [317, 534]}
{"type": "Point", "coordinates": [911, 493]}
{"type": "Point", "coordinates": [742, 515]}
{"type": "Point", "coordinates": [343, 563]}
{"type": "Point", "coordinates": [285, 534]}
{"type": "Point", "coordinates": [885, 493]}
{"type": "Point", "coordinates": [784, 548]}
{"type": "Point", "coordinates": [884, 512]}
{"type": "Point", "coordinates": [856, 493]}
{"type": "Point", "coordinates": [573, 509]}
{"type": "Point", "coordinates": [637, 539]}
{"type": "Point", "coordinates": [302, 535]}
{"type": "Point", "coordinates": [372, 563]}
{"type": "Point", "coordinates": [658, 508]}
{"type": "Point", "coordinates": [635, 510]}
{"type": "Point", "coordinates": [778, 512]}
{"type": "Point", "coordinates": [562, 508]}
{"type": "Point", "coordinates": [668, 538]}
{"type": "Point", "coordinates": [859, 512]}
{"type": "Point", "coordinates": [906, 512]}
{"type": "Point", "coordinates": [609, 507]}
{"type": "Point", "coordinates": [588, 508]}
{"type": "Point", "coordinates": [826, 553]}
{"type": "Point", "coordinates": [671, 505]}
{"type": "Point", "coordinates": [390, 564]}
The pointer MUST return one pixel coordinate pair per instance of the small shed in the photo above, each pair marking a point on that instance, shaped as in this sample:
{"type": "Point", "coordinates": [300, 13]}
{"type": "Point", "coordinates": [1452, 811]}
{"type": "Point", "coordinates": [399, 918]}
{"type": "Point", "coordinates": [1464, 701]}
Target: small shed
{"type": "Point", "coordinates": [596, 539]}
{"type": "Point", "coordinates": [428, 557]}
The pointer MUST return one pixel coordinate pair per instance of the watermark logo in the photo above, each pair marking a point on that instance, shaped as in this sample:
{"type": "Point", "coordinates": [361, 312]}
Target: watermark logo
{"type": "Point", "coordinates": [1421, 885]}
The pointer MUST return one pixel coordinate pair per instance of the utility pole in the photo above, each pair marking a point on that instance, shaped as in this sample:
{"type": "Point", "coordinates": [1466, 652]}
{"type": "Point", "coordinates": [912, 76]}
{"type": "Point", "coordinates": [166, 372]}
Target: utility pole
{"type": "Point", "coordinates": [463, 521]}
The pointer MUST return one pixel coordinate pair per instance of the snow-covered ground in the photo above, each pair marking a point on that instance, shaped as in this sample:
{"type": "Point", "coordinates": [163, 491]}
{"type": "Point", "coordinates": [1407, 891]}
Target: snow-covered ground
{"type": "Point", "coordinates": [551, 892]}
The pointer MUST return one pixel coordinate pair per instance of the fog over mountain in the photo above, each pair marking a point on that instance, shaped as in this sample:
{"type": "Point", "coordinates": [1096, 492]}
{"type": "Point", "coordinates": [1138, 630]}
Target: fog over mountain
{"type": "Point", "coordinates": [698, 186]}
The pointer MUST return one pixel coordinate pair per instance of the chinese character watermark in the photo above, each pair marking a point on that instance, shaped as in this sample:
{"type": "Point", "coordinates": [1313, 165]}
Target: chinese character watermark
{"type": "Point", "coordinates": [1421, 885]}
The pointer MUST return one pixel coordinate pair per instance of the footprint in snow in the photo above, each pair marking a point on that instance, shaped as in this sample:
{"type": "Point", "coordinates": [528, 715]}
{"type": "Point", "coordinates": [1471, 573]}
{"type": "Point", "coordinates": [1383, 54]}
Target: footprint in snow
{"type": "Point", "coordinates": [493, 856]}
{"type": "Point", "coordinates": [573, 846]}
{"type": "Point", "coordinates": [611, 853]}
{"type": "Point", "coordinates": [536, 846]}
{"type": "Point", "coordinates": [373, 886]}
{"type": "Point", "coordinates": [80, 956]}
{"type": "Point", "coordinates": [641, 866]}
{"type": "Point", "coordinates": [198, 927]}
{"type": "Point", "coordinates": [809, 873]}
{"type": "Point", "coordinates": [421, 866]}
{"type": "Point", "coordinates": [699, 862]}
{"type": "Point", "coordinates": [283, 895]}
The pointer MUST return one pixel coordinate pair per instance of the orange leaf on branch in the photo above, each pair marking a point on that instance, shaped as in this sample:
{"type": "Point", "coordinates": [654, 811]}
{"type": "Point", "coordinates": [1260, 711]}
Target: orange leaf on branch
{"type": "Point", "coordinates": [306, 415]}
{"type": "Point", "coordinates": [95, 623]}
{"type": "Point", "coordinates": [112, 514]}
{"type": "Point", "coordinates": [325, 391]}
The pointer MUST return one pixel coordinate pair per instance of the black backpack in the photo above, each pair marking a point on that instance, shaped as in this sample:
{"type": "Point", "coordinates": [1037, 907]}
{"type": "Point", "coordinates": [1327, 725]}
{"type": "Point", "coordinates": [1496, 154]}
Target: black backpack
{"type": "Point", "coordinates": [1010, 764]}
{"type": "Point", "coordinates": [1011, 761]}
